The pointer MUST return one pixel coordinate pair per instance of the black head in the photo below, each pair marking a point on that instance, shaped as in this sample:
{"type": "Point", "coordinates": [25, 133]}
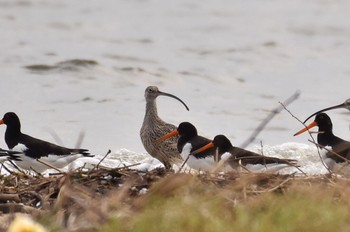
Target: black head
{"type": "Point", "coordinates": [187, 129]}
{"type": "Point", "coordinates": [324, 123]}
{"type": "Point", "coordinates": [11, 119]}
{"type": "Point", "coordinates": [223, 143]}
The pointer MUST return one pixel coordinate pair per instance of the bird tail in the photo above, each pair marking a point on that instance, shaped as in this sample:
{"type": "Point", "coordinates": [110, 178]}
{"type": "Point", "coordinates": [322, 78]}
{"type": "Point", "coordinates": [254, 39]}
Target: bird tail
{"type": "Point", "coordinates": [84, 152]}
{"type": "Point", "coordinates": [266, 160]}
{"type": "Point", "coordinates": [11, 155]}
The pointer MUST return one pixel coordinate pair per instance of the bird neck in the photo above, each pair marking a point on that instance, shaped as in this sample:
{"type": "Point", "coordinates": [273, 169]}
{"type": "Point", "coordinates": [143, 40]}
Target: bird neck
{"type": "Point", "coordinates": [328, 139]}
{"type": "Point", "coordinates": [12, 136]}
{"type": "Point", "coordinates": [223, 149]}
{"type": "Point", "coordinates": [151, 114]}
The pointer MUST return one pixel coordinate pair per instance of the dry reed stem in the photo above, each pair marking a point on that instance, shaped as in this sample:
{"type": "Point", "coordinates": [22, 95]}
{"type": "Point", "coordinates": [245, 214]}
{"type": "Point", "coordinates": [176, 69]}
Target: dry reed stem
{"type": "Point", "coordinates": [269, 117]}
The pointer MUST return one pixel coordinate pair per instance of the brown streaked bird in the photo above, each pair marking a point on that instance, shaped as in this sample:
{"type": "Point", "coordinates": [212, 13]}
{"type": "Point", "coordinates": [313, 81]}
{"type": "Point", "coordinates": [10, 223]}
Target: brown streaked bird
{"type": "Point", "coordinates": [345, 105]}
{"type": "Point", "coordinates": [154, 127]}
{"type": "Point", "coordinates": [237, 157]}
{"type": "Point", "coordinates": [190, 141]}
{"type": "Point", "coordinates": [325, 137]}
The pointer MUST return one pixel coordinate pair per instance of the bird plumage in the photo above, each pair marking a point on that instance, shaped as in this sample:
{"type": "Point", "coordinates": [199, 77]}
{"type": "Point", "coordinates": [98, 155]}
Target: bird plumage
{"type": "Point", "coordinates": [30, 149]}
{"type": "Point", "coordinates": [237, 157]}
{"type": "Point", "coordinates": [345, 105]}
{"type": "Point", "coordinates": [340, 152]}
{"type": "Point", "coordinates": [188, 142]}
{"type": "Point", "coordinates": [153, 127]}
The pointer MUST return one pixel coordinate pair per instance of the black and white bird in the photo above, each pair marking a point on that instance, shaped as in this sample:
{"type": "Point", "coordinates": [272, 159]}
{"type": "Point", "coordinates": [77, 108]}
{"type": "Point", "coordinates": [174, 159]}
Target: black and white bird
{"type": "Point", "coordinates": [32, 149]}
{"type": "Point", "coordinates": [339, 156]}
{"type": "Point", "coordinates": [190, 141]}
{"type": "Point", "coordinates": [240, 159]}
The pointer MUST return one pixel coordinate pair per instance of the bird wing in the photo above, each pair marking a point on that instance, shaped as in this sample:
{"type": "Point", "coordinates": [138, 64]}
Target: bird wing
{"type": "Point", "coordinates": [37, 148]}
{"type": "Point", "coordinates": [340, 152]}
{"type": "Point", "coordinates": [248, 157]}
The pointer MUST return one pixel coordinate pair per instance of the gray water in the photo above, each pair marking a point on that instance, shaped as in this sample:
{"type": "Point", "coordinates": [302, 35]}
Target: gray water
{"type": "Point", "coordinates": [230, 61]}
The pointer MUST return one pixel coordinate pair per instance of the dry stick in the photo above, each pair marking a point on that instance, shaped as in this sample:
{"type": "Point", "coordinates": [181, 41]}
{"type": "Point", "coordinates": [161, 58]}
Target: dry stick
{"type": "Point", "coordinates": [80, 139]}
{"type": "Point", "coordinates": [104, 157]}
{"type": "Point", "coordinates": [9, 197]}
{"type": "Point", "coordinates": [183, 164]}
{"type": "Point", "coordinates": [273, 113]}
{"type": "Point", "coordinates": [318, 149]}
{"type": "Point", "coordinates": [97, 166]}
{"type": "Point", "coordinates": [289, 163]}
{"type": "Point", "coordinates": [49, 165]}
{"type": "Point", "coordinates": [242, 166]}
{"type": "Point", "coordinates": [55, 136]}
{"type": "Point", "coordinates": [127, 166]}
{"type": "Point", "coordinates": [334, 153]}
{"type": "Point", "coordinates": [262, 153]}
{"type": "Point", "coordinates": [8, 170]}
{"type": "Point", "coordinates": [272, 189]}
{"type": "Point", "coordinates": [15, 166]}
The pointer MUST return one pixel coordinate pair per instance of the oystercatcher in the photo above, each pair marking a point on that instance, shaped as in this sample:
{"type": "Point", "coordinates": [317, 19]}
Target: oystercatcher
{"type": "Point", "coordinates": [154, 127]}
{"type": "Point", "coordinates": [340, 148]}
{"type": "Point", "coordinates": [32, 149]}
{"type": "Point", "coordinates": [345, 105]}
{"type": "Point", "coordinates": [237, 157]}
{"type": "Point", "coordinates": [190, 141]}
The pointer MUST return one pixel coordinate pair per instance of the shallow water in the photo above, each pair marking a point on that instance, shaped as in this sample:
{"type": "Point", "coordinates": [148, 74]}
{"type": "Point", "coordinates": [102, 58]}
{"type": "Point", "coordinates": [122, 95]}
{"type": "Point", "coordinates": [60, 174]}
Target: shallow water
{"type": "Point", "coordinates": [230, 61]}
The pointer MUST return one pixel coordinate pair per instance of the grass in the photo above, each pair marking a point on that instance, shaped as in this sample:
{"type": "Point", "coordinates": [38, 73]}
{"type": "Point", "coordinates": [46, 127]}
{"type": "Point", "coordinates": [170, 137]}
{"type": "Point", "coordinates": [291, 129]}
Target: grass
{"type": "Point", "coordinates": [198, 206]}
{"type": "Point", "coordinates": [183, 202]}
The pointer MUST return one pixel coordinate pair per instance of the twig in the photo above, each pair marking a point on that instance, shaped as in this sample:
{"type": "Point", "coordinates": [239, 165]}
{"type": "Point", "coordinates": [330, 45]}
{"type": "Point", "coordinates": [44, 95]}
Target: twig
{"type": "Point", "coordinates": [14, 208]}
{"type": "Point", "coordinates": [9, 197]}
{"type": "Point", "coordinates": [274, 188]}
{"type": "Point", "coordinates": [8, 170]}
{"type": "Point", "coordinates": [334, 153]}
{"type": "Point", "coordinates": [104, 157]}
{"type": "Point", "coordinates": [269, 117]}
{"type": "Point", "coordinates": [80, 139]}
{"type": "Point", "coordinates": [318, 149]}
{"type": "Point", "coordinates": [97, 166]}
{"type": "Point", "coordinates": [49, 165]}
{"type": "Point", "coordinates": [262, 153]}
{"type": "Point", "coordinates": [127, 166]}
{"type": "Point", "coordinates": [15, 166]}
{"type": "Point", "coordinates": [183, 164]}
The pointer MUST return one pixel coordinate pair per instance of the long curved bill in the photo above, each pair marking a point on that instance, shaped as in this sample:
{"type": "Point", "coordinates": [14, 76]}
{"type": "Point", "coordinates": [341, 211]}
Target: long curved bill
{"type": "Point", "coordinates": [173, 96]}
{"type": "Point", "coordinates": [169, 135]}
{"type": "Point", "coordinates": [343, 105]}
{"type": "Point", "coordinates": [313, 124]}
{"type": "Point", "coordinates": [204, 148]}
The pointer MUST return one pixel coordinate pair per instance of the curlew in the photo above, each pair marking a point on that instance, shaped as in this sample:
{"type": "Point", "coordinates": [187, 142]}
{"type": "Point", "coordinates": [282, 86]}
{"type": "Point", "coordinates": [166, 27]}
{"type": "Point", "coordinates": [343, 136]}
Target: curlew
{"type": "Point", "coordinates": [154, 127]}
{"type": "Point", "coordinates": [345, 105]}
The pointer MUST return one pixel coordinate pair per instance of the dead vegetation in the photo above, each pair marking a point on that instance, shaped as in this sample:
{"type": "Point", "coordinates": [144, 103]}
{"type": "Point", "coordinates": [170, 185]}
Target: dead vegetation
{"type": "Point", "coordinates": [85, 200]}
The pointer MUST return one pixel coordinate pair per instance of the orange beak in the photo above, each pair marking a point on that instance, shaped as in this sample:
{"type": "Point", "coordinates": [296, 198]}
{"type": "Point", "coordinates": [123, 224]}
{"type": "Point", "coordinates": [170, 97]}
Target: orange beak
{"type": "Point", "coordinates": [306, 128]}
{"type": "Point", "coordinates": [1, 122]}
{"type": "Point", "coordinates": [167, 136]}
{"type": "Point", "coordinates": [205, 147]}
